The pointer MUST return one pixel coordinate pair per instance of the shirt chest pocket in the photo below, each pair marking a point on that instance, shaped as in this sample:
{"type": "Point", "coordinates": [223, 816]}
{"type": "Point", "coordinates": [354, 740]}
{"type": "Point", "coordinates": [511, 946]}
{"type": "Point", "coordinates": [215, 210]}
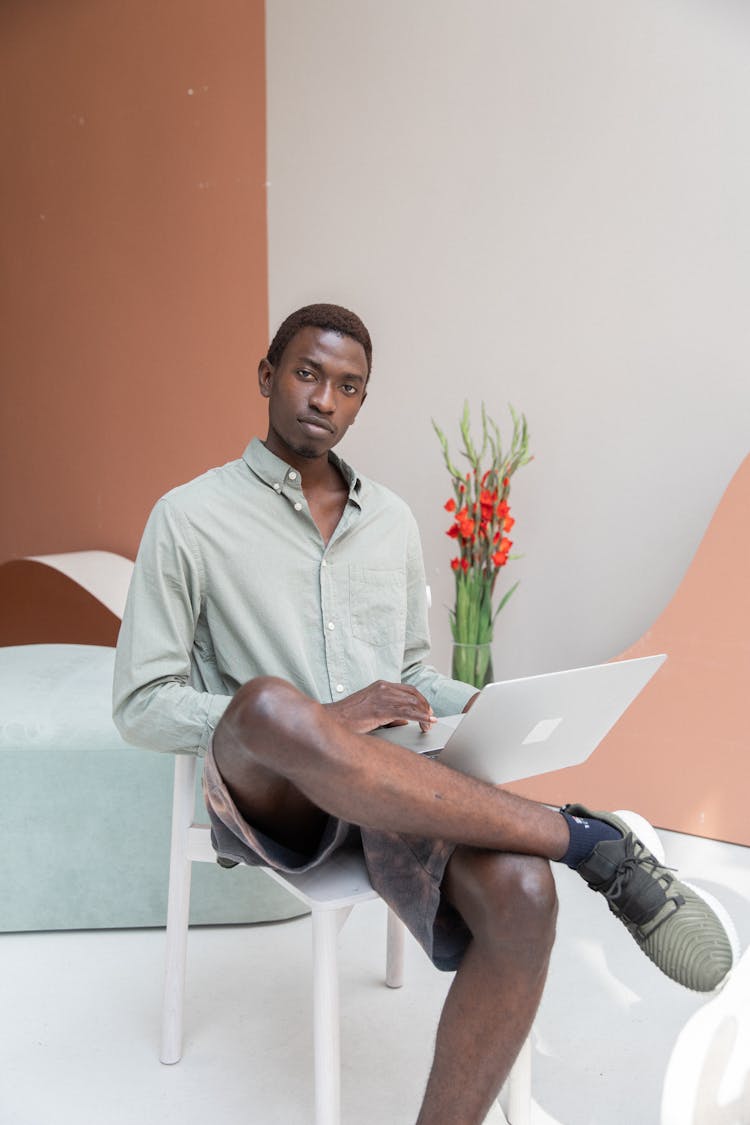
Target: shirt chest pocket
{"type": "Point", "coordinates": [377, 605]}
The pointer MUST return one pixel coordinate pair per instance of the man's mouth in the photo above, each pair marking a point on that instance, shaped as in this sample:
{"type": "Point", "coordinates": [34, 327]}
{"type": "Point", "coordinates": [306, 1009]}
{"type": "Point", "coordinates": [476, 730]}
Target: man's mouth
{"type": "Point", "coordinates": [312, 423]}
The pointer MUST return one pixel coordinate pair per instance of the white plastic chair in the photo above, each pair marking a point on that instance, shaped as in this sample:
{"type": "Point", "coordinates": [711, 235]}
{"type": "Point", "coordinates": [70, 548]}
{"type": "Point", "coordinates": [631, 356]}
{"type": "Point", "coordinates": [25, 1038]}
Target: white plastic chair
{"type": "Point", "coordinates": [330, 892]}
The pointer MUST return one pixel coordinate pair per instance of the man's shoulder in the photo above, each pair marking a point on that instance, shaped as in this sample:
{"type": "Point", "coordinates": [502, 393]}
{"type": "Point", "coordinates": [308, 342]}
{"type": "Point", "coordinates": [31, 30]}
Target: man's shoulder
{"type": "Point", "coordinates": [206, 488]}
{"type": "Point", "coordinates": [206, 492]}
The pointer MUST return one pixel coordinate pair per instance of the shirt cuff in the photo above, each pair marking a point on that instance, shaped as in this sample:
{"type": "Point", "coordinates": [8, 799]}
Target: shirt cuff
{"type": "Point", "coordinates": [216, 709]}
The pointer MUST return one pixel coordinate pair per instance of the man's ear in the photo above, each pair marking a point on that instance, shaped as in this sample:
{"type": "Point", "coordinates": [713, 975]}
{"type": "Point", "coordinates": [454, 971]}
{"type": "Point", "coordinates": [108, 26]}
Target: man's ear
{"type": "Point", "coordinates": [265, 377]}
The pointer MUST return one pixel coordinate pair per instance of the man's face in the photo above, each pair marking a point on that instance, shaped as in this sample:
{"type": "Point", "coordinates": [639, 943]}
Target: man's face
{"type": "Point", "coordinates": [314, 392]}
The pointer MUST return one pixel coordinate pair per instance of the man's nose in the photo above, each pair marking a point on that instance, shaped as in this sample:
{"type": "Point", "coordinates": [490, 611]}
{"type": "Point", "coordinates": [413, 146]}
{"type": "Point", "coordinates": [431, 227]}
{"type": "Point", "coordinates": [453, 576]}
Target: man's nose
{"type": "Point", "coordinates": [322, 397]}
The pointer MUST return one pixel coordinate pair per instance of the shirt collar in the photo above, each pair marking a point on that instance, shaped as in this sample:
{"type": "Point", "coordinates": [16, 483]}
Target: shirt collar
{"type": "Point", "coordinates": [272, 470]}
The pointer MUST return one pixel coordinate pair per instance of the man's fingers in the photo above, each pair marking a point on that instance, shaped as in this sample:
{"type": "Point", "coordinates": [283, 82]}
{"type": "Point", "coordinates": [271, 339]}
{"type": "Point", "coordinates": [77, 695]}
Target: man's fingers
{"type": "Point", "coordinates": [405, 696]}
{"type": "Point", "coordinates": [385, 704]}
{"type": "Point", "coordinates": [425, 725]}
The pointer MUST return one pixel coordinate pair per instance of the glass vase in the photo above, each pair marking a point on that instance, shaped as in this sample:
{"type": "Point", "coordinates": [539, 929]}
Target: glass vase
{"type": "Point", "coordinates": [472, 663]}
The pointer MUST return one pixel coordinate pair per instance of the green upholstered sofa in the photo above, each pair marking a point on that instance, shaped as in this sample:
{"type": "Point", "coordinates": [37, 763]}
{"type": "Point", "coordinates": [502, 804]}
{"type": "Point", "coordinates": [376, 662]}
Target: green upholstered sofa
{"type": "Point", "coordinates": [85, 821]}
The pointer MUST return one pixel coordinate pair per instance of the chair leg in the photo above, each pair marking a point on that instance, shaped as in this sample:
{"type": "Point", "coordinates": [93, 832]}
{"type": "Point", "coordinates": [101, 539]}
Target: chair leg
{"type": "Point", "coordinates": [394, 959]}
{"type": "Point", "coordinates": [326, 1033]}
{"type": "Point", "coordinates": [178, 910]}
{"type": "Point", "coordinates": [516, 1093]}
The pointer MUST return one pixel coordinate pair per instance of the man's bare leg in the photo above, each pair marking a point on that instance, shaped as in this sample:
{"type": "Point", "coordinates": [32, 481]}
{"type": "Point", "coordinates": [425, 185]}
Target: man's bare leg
{"type": "Point", "coordinates": [284, 758]}
{"type": "Point", "coordinates": [510, 906]}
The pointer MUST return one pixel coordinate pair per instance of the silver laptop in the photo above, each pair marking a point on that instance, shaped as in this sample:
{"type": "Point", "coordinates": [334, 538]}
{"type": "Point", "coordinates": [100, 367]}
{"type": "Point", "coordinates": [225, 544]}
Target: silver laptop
{"type": "Point", "coordinates": [519, 728]}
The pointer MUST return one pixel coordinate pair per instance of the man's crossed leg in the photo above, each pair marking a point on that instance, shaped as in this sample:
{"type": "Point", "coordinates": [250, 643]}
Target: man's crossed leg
{"type": "Point", "coordinates": [289, 763]}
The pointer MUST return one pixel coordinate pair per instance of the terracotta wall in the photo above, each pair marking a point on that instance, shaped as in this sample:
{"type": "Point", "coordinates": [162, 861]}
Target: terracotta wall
{"type": "Point", "coordinates": [134, 289]}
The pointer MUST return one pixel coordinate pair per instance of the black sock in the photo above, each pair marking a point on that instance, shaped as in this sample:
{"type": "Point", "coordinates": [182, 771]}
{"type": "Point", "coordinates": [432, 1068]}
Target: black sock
{"type": "Point", "coordinates": [585, 834]}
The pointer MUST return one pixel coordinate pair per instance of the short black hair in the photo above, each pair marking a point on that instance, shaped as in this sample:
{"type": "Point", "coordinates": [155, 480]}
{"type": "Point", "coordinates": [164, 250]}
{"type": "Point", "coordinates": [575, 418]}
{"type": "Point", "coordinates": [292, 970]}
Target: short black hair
{"type": "Point", "coordinates": [331, 318]}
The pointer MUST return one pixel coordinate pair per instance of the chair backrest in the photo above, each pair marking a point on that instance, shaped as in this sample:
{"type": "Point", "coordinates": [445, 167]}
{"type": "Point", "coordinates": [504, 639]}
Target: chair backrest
{"type": "Point", "coordinates": [708, 1075]}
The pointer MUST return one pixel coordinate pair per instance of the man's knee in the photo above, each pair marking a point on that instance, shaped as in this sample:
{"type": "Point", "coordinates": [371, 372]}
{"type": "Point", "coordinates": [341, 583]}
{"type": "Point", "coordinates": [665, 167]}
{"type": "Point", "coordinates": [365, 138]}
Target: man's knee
{"type": "Point", "coordinates": [258, 756]}
{"type": "Point", "coordinates": [532, 887]}
{"type": "Point", "coordinates": [502, 895]}
{"type": "Point", "coordinates": [263, 712]}
{"type": "Point", "coordinates": [265, 701]}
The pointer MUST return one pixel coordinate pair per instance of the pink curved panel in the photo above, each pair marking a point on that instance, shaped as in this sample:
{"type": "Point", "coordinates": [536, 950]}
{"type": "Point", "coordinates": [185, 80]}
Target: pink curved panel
{"type": "Point", "coordinates": [680, 754]}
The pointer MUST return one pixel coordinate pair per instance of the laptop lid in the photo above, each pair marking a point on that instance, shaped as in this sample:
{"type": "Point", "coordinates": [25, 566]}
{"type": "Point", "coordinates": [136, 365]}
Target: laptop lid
{"type": "Point", "coordinates": [536, 724]}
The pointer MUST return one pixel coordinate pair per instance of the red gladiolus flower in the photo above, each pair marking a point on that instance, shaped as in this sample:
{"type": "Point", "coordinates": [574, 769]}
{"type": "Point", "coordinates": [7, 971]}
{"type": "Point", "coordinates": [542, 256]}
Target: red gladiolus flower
{"type": "Point", "coordinates": [502, 509]}
{"type": "Point", "coordinates": [455, 563]}
{"type": "Point", "coordinates": [450, 505]}
{"type": "Point", "coordinates": [464, 523]}
{"type": "Point", "coordinates": [487, 503]}
{"type": "Point", "coordinates": [453, 531]}
{"type": "Point", "coordinates": [508, 523]}
{"type": "Point", "coordinates": [464, 565]}
{"type": "Point", "coordinates": [500, 556]}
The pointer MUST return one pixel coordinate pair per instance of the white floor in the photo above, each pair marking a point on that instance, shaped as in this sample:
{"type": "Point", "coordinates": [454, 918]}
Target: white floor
{"type": "Point", "coordinates": [80, 1020]}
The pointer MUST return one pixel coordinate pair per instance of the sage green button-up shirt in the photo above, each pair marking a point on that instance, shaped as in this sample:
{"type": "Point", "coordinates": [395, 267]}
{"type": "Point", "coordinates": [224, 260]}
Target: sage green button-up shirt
{"type": "Point", "coordinates": [233, 581]}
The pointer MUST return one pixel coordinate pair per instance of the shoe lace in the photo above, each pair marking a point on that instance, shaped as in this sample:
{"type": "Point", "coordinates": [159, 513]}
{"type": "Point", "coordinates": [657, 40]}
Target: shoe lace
{"type": "Point", "coordinates": [641, 863]}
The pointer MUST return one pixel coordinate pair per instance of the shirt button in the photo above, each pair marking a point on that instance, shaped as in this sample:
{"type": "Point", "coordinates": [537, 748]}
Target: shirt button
{"type": "Point", "coordinates": [324, 563]}
{"type": "Point", "coordinates": [277, 487]}
{"type": "Point", "coordinates": [331, 625]}
{"type": "Point", "coordinates": [298, 507]}
{"type": "Point", "coordinates": [292, 475]}
{"type": "Point", "coordinates": [339, 687]}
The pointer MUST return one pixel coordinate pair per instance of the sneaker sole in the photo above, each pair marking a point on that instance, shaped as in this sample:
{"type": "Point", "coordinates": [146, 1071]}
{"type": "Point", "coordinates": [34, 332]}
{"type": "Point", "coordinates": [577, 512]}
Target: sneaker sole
{"type": "Point", "coordinates": [725, 918]}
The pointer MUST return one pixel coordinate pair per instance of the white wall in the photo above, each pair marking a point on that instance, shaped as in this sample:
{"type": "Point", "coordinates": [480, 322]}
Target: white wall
{"type": "Point", "coordinates": [545, 204]}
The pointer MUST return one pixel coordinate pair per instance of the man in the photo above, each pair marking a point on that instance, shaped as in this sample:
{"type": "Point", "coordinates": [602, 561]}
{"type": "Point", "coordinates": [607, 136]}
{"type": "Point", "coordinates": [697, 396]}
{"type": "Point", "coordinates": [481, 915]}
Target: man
{"type": "Point", "coordinates": [276, 618]}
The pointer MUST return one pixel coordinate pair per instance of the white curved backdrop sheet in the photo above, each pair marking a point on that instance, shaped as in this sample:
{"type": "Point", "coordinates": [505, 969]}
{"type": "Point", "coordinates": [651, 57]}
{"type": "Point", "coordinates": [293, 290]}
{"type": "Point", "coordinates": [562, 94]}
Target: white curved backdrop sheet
{"type": "Point", "coordinates": [105, 575]}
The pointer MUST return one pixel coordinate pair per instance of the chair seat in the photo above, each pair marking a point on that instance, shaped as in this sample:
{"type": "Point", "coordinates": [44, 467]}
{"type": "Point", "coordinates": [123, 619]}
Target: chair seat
{"type": "Point", "coordinates": [340, 881]}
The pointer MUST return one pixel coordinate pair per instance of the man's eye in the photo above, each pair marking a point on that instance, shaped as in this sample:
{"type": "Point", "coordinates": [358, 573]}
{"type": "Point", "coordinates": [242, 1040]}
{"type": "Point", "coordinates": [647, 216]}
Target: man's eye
{"type": "Point", "coordinates": [304, 374]}
{"type": "Point", "coordinates": [350, 388]}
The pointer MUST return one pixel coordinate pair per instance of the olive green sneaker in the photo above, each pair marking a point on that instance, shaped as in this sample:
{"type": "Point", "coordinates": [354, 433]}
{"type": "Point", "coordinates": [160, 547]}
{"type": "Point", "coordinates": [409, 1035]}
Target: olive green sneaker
{"type": "Point", "coordinates": [673, 924]}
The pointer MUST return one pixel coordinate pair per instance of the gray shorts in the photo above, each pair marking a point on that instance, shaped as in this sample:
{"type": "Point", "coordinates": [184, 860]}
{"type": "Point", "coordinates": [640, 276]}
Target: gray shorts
{"type": "Point", "coordinates": [406, 871]}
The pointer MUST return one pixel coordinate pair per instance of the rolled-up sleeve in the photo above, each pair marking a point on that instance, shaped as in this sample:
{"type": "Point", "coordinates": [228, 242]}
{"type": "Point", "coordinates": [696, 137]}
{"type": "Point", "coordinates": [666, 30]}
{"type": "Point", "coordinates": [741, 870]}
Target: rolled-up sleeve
{"type": "Point", "coordinates": [154, 703]}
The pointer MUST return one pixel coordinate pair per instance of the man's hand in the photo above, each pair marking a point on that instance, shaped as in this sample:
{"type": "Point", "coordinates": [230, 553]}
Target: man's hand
{"type": "Point", "coordinates": [383, 705]}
